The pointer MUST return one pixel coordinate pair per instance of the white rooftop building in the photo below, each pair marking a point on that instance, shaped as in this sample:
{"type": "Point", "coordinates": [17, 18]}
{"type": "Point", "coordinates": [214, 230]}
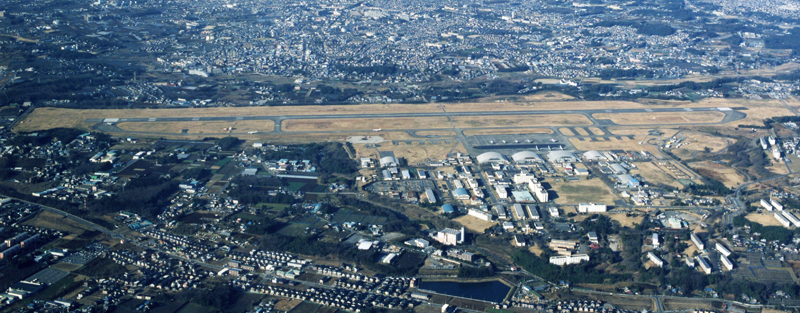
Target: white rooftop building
{"type": "Point", "coordinates": [561, 260]}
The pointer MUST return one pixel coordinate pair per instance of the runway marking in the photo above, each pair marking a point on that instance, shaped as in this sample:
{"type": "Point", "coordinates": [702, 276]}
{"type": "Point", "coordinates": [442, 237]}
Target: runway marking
{"type": "Point", "coordinates": [688, 109]}
{"type": "Point", "coordinates": [152, 119]}
{"type": "Point", "coordinates": [239, 118]}
{"type": "Point", "coordinates": [725, 109]}
{"type": "Point", "coordinates": [648, 110]}
{"type": "Point", "coordinates": [195, 119]}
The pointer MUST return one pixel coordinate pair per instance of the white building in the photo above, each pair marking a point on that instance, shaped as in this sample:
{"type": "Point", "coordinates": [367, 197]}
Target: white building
{"type": "Point", "coordinates": [722, 249]}
{"type": "Point", "coordinates": [778, 216]}
{"type": "Point", "coordinates": [777, 205]}
{"type": "Point", "coordinates": [450, 237]}
{"type": "Point", "coordinates": [532, 212]}
{"type": "Point", "coordinates": [518, 211]}
{"type": "Point", "coordinates": [429, 194]}
{"type": "Point", "coordinates": [553, 211]}
{"type": "Point", "coordinates": [697, 242]}
{"type": "Point", "coordinates": [726, 262]}
{"type": "Point", "coordinates": [704, 266]}
{"type": "Point", "coordinates": [655, 259]}
{"type": "Point", "coordinates": [656, 244]}
{"type": "Point", "coordinates": [561, 260]}
{"type": "Point", "coordinates": [480, 214]}
{"type": "Point", "coordinates": [591, 208]}
{"type": "Point", "coordinates": [502, 192]}
{"type": "Point", "coordinates": [789, 216]}
{"type": "Point", "coordinates": [766, 205]}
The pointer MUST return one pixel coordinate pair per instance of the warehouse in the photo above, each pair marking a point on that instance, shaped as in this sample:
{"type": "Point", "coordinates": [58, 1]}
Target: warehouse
{"type": "Point", "coordinates": [594, 156]}
{"type": "Point", "coordinates": [561, 156]}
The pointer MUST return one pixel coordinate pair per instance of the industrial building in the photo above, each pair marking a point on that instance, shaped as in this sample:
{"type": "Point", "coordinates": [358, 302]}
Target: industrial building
{"type": "Point", "coordinates": [594, 156]}
{"type": "Point", "coordinates": [766, 205]}
{"type": "Point", "coordinates": [656, 243]}
{"type": "Point", "coordinates": [789, 216]}
{"type": "Point", "coordinates": [519, 213]}
{"type": "Point", "coordinates": [777, 205]}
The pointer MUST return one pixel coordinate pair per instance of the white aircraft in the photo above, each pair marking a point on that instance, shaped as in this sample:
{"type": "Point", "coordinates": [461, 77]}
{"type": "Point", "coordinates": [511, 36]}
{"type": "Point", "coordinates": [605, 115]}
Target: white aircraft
{"type": "Point", "coordinates": [491, 141]}
{"type": "Point", "coordinates": [554, 140]}
{"type": "Point", "coordinates": [377, 129]}
{"type": "Point", "coordinates": [252, 132]}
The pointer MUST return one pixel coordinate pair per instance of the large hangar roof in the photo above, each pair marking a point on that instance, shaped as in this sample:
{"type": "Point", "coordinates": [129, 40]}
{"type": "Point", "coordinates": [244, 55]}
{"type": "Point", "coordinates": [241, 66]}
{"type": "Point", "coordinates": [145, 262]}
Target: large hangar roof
{"type": "Point", "coordinates": [489, 157]}
{"type": "Point", "coordinates": [526, 156]}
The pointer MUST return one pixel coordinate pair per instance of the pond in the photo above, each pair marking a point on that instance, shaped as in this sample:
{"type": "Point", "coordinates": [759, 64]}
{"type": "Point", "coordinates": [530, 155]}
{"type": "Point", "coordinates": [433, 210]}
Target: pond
{"type": "Point", "coordinates": [493, 291]}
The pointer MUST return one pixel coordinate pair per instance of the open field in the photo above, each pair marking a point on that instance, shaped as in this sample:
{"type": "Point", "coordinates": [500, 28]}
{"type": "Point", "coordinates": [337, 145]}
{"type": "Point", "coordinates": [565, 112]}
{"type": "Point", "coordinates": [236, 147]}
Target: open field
{"type": "Point", "coordinates": [691, 304]}
{"type": "Point", "coordinates": [47, 219]}
{"type": "Point", "coordinates": [596, 131]}
{"type": "Point", "coordinates": [698, 141]}
{"type": "Point", "coordinates": [622, 302]}
{"type": "Point", "coordinates": [474, 224]}
{"type": "Point", "coordinates": [437, 133]}
{"type": "Point", "coordinates": [505, 131]}
{"type": "Point", "coordinates": [548, 95]}
{"type": "Point", "coordinates": [661, 118]}
{"type": "Point", "coordinates": [652, 173]}
{"type": "Point", "coordinates": [581, 131]}
{"type": "Point", "coordinates": [566, 131]}
{"type": "Point", "coordinates": [520, 121]}
{"type": "Point", "coordinates": [727, 175]}
{"type": "Point", "coordinates": [626, 221]}
{"type": "Point", "coordinates": [199, 127]}
{"type": "Point", "coordinates": [345, 124]}
{"type": "Point", "coordinates": [413, 152]}
{"type": "Point", "coordinates": [581, 191]}
{"type": "Point", "coordinates": [614, 144]}
{"type": "Point", "coordinates": [766, 218]}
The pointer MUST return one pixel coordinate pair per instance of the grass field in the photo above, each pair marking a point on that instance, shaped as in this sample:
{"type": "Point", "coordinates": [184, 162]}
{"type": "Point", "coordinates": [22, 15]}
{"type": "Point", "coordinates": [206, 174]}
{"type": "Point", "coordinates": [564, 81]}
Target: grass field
{"type": "Point", "coordinates": [766, 218]}
{"type": "Point", "coordinates": [654, 174]}
{"type": "Point", "coordinates": [626, 221]}
{"type": "Point", "coordinates": [413, 152]}
{"type": "Point", "coordinates": [614, 144]}
{"type": "Point", "coordinates": [727, 175]}
{"type": "Point", "coordinates": [691, 304]}
{"type": "Point", "coordinates": [520, 121]}
{"type": "Point", "coordinates": [582, 191]}
{"type": "Point", "coordinates": [661, 118]}
{"type": "Point", "coordinates": [47, 219]}
{"type": "Point", "coordinates": [199, 127]}
{"type": "Point", "coordinates": [474, 224]}
{"type": "Point", "coordinates": [566, 131]}
{"type": "Point", "coordinates": [346, 124]}
{"type": "Point", "coordinates": [698, 141]}
{"type": "Point", "coordinates": [504, 131]}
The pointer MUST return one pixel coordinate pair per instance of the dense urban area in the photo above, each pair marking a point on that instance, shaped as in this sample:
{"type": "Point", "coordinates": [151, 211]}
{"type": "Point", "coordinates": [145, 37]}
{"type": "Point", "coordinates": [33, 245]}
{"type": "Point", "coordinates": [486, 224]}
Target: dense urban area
{"type": "Point", "coordinates": [376, 156]}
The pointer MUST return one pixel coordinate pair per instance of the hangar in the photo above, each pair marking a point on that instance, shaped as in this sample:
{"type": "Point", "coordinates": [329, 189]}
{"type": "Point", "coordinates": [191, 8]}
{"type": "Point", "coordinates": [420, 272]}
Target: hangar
{"type": "Point", "coordinates": [526, 157]}
{"type": "Point", "coordinates": [491, 157]}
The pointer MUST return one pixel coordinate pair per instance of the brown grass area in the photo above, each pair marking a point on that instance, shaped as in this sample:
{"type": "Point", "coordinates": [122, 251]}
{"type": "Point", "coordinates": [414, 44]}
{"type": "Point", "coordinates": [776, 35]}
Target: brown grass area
{"type": "Point", "coordinates": [581, 131]}
{"type": "Point", "coordinates": [596, 131]}
{"type": "Point", "coordinates": [520, 121]}
{"type": "Point", "coordinates": [363, 124]}
{"type": "Point", "coordinates": [47, 219]}
{"type": "Point", "coordinates": [549, 96]}
{"type": "Point", "coordinates": [581, 191]}
{"type": "Point", "coordinates": [766, 218]}
{"type": "Point", "coordinates": [641, 132]}
{"type": "Point", "coordinates": [566, 131]}
{"type": "Point", "coordinates": [654, 174]}
{"type": "Point", "coordinates": [690, 250]}
{"type": "Point", "coordinates": [441, 133]}
{"type": "Point", "coordinates": [415, 152]}
{"type": "Point", "coordinates": [626, 221]}
{"type": "Point", "coordinates": [698, 141]}
{"type": "Point", "coordinates": [614, 144]}
{"type": "Point", "coordinates": [535, 249]}
{"type": "Point", "coordinates": [504, 131]}
{"type": "Point", "coordinates": [661, 118]}
{"type": "Point", "coordinates": [727, 175]}
{"type": "Point", "coordinates": [199, 127]}
{"type": "Point", "coordinates": [689, 304]}
{"type": "Point", "coordinates": [777, 167]}
{"type": "Point", "coordinates": [474, 224]}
